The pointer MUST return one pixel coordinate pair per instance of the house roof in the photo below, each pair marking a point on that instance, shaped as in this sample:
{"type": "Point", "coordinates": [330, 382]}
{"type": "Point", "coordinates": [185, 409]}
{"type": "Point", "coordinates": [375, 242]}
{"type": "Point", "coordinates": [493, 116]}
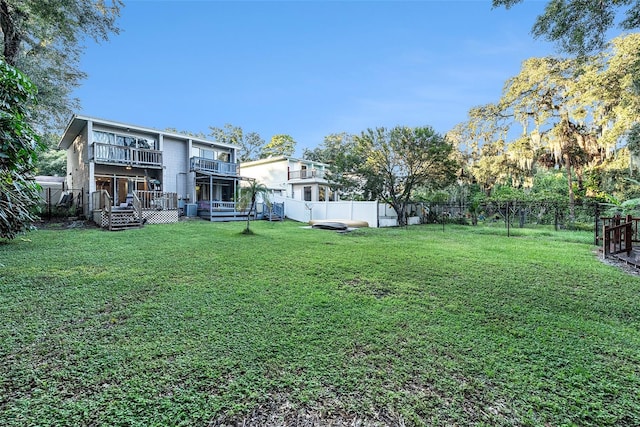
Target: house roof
{"type": "Point", "coordinates": [281, 159]}
{"type": "Point", "coordinates": [78, 123]}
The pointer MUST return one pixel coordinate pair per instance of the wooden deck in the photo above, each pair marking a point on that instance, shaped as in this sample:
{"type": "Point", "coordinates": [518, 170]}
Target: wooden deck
{"type": "Point", "coordinates": [633, 259]}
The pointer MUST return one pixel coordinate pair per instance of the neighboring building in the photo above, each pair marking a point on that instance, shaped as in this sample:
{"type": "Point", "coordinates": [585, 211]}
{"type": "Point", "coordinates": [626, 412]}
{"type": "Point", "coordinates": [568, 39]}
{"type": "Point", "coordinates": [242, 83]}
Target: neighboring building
{"type": "Point", "coordinates": [165, 173]}
{"type": "Point", "coordinates": [291, 178]}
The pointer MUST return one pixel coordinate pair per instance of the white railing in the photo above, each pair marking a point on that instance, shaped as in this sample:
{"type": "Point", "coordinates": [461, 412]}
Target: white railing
{"type": "Point", "coordinates": [306, 174]}
{"type": "Point", "coordinates": [158, 200]}
{"type": "Point", "coordinates": [117, 154]}
{"type": "Point", "coordinates": [200, 164]}
{"type": "Point", "coordinates": [215, 205]}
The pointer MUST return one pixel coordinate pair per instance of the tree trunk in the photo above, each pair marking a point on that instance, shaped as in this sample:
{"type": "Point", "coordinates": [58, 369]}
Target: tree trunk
{"type": "Point", "coordinates": [572, 197]}
{"type": "Point", "coordinates": [11, 35]}
{"type": "Point", "coordinates": [251, 206]}
{"type": "Point", "coordinates": [400, 210]}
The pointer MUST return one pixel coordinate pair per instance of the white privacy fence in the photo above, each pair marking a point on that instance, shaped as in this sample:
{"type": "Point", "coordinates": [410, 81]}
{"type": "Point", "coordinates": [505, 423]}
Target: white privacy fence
{"type": "Point", "coordinates": [306, 211]}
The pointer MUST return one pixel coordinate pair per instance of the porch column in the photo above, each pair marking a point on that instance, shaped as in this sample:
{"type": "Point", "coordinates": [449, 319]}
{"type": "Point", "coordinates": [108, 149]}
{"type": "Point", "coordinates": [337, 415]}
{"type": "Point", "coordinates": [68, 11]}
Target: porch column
{"type": "Point", "coordinates": [236, 193]}
{"type": "Point", "coordinates": [210, 197]}
{"type": "Point", "coordinates": [92, 166]}
{"type": "Point", "coordinates": [163, 176]}
{"type": "Point", "coordinates": [190, 185]}
{"type": "Point", "coordinates": [92, 187]}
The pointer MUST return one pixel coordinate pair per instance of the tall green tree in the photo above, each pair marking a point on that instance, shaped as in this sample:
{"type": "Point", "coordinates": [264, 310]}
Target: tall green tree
{"type": "Point", "coordinates": [250, 143]}
{"type": "Point", "coordinates": [280, 145]}
{"type": "Point", "coordinates": [45, 40]}
{"type": "Point", "coordinates": [558, 126]}
{"type": "Point", "coordinates": [51, 161]}
{"type": "Point", "coordinates": [401, 159]}
{"type": "Point", "coordinates": [19, 146]}
{"type": "Point", "coordinates": [249, 195]}
{"type": "Point", "coordinates": [340, 152]}
{"type": "Point", "coordinates": [610, 85]}
{"type": "Point", "coordinates": [561, 113]}
{"type": "Point", "coordinates": [580, 26]}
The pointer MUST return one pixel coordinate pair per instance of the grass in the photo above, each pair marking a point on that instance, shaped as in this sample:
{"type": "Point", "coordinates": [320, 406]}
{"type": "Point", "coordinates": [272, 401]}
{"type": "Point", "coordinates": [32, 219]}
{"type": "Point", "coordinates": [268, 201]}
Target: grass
{"type": "Point", "coordinates": [197, 324]}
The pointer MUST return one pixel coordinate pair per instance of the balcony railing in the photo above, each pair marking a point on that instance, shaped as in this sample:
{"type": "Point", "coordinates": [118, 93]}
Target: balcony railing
{"type": "Point", "coordinates": [128, 156]}
{"type": "Point", "coordinates": [200, 164]}
{"type": "Point", "coordinates": [306, 174]}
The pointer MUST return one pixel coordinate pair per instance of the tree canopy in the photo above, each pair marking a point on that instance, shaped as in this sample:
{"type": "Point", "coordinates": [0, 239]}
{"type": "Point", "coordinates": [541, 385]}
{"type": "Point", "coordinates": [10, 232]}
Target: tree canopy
{"type": "Point", "coordinates": [402, 159]}
{"type": "Point", "coordinates": [250, 143]}
{"type": "Point", "coordinates": [44, 39]}
{"type": "Point", "coordinates": [340, 152]}
{"type": "Point", "coordinates": [580, 26]}
{"type": "Point", "coordinates": [280, 145]}
{"type": "Point", "coordinates": [557, 113]}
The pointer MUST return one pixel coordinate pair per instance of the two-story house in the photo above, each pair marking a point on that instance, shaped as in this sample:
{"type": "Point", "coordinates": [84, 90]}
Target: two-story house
{"type": "Point", "coordinates": [292, 178]}
{"type": "Point", "coordinates": [158, 175]}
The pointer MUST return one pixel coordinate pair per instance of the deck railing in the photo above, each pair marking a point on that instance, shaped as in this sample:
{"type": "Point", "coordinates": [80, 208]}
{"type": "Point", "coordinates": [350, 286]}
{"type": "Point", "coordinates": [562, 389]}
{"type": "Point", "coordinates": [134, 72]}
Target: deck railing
{"type": "Point", "coordinates": [137, 206]}
{"type": "Point", "coordinates": [619, 235]}
{"type": "Point", "coordinates": [215, 205]}
{"type": "Point", "coordinates": [273, 210]}
{"type": "Point", "coordinates": [200, 164]}
{"type": "Point", "coordinates": [121, 155]}
{"type": "Point", "coordinates": [101, 200]}
{"type": "Point", "coordinates": [157, 200]}
{"type": "Point", "coordinates": [615, 221]}
{"type": "Point", "coordinates": [306, 174]}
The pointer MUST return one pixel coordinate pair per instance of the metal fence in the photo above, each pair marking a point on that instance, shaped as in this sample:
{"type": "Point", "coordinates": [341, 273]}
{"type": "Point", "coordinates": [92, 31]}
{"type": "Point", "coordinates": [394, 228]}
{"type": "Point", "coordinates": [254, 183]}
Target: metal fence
{"type": "Point", "coordinates": [516, 214]}
{"type": "Point", "coordinates": [61, 203]}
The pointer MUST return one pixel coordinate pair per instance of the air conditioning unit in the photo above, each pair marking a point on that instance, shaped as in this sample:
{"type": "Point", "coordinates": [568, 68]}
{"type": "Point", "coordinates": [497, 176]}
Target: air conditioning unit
{"type": "Point", "coordinates": [191, 210]}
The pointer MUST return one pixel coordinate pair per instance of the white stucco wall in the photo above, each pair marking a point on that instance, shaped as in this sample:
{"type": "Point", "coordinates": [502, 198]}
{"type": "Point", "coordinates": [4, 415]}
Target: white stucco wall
{"type": "Point", "coordinates": [272, 174]}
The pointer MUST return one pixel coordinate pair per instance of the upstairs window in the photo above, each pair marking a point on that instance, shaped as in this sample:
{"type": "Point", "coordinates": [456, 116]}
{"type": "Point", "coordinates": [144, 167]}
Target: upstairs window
{"type": "Point", "coordinates": [124, 140]}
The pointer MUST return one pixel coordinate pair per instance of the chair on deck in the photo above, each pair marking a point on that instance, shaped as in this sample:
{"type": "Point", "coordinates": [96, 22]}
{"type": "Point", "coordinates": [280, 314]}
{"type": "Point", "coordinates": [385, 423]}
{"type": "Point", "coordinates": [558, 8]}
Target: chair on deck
{"type": "Point", "coordinates": [128, 203]}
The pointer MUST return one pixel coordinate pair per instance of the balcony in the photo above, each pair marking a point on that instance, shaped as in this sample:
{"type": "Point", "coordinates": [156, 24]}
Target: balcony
{"type": "Point", "coordinates": [200, 164]}
{"type": "Point", "coordinates": [306, 174]}
{"type": "Point", "coordinates": [126, 156]}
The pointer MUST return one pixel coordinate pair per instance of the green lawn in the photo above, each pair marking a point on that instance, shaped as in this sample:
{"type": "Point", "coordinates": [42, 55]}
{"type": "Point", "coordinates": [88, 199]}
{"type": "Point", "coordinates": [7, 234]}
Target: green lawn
{"type": "Point", "coordinates": [197, 324]}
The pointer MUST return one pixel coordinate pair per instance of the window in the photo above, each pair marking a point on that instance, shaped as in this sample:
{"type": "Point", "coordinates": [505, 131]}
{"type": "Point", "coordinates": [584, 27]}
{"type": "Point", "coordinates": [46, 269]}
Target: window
{"type": "Point", "coordinates": [123, 140]}
{"type": "Point", "coordinates": [307, 194]}
{"type": "Point", "coordinates": [206, 154]}
{"type": "Point", "coordinates": [303, 171]}
{"type": "Point", "coordinates": [104, 137]}
{"type": "Point", "coordinates": [224, 157]}
{"type": "Point", "coordinates": [321, 195]}
{"type": "Point", "coordinates": [211, 154]}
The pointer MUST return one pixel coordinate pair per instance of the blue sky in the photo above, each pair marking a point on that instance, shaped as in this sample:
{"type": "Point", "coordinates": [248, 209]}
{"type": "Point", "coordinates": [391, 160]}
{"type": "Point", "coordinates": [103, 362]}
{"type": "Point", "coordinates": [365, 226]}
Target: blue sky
{"type": "Point", "coordinates": [305, 68]}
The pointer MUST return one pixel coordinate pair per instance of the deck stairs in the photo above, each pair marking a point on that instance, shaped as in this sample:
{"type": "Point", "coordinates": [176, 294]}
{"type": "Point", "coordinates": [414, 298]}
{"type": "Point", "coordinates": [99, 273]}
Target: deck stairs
{"type": "Point", "coordinates": [124, 219]}
{"type": "Point", "coordinates": [275, 212]}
